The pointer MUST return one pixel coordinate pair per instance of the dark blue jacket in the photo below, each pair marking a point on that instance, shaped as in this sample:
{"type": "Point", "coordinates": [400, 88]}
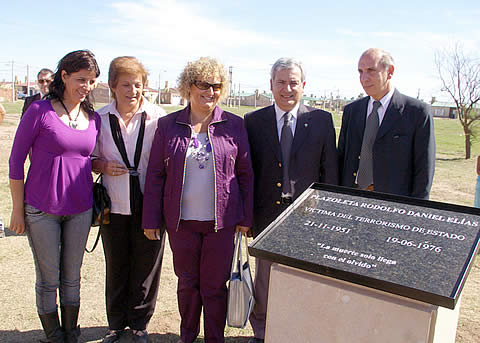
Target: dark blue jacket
{"type": "Point", "coordinates": [403, 152]}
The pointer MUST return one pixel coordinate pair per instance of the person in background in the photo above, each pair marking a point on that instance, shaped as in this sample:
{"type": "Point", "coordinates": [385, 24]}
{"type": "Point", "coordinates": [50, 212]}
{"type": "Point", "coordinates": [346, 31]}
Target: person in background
{"type": "Point", "coordinates": [292, 146]}
{"type": "Point", "coordinates": [199, 187]}
{"type": "Point", "coordinates": [476, 202]}
{"type": "Point", "coordinates": [54, 205]}
{"type": "Point", "coordinates": [387, 140]}
{"type": "Point", "coordinates": [44, 78]}
{"type": "Point", "coordinates": [133, 262]}
{"type": "Point", "coordinates": [2, 113]}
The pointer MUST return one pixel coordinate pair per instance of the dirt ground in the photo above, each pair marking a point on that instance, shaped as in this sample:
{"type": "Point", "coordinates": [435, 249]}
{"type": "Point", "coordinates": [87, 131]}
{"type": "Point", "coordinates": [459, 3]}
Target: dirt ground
{"type": "Point", "coordinates": [19, 321]}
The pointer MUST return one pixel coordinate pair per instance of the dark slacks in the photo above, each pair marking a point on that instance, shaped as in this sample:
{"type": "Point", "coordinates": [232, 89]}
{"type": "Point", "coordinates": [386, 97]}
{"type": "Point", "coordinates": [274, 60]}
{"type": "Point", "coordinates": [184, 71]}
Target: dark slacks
{"type": "Point", "coordinates": [202, 259]}
{"type": "Point", "coordinates": [133, 266]}
{"type": "Point", "coordinates": [258, 317]}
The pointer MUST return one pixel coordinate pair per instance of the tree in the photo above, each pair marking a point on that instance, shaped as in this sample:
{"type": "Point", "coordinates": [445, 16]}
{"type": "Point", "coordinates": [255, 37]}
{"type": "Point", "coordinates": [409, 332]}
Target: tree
{"type": "Point", "coordinates": [460, 77]}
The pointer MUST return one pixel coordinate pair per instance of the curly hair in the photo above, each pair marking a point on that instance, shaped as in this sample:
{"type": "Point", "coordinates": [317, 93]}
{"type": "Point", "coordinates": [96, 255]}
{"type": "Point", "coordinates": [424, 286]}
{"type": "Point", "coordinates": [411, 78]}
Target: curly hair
{"type": "Point", "coordinates": [201, 70]}
{"type": "Point", "coordinates": [72, 63]}
{"type": "Point", "coordinates": [126, 65]}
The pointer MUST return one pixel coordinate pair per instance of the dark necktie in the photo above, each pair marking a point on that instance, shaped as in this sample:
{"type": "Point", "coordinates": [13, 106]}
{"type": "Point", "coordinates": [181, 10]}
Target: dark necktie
{"type": "Point", "coordinates": [286, 139]}
{"type": "Point", "coordinates": [365, 169]}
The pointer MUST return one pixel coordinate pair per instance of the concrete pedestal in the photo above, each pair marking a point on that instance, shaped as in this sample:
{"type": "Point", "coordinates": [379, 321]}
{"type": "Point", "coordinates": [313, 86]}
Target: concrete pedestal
{"type": "Point", "coordinates": [310, 308]}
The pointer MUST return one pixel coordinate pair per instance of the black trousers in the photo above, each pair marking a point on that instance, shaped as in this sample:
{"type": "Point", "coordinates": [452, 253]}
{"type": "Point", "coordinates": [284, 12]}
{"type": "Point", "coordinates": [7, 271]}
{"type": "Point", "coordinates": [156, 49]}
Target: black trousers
{"type": "Point", "coordinates": [133, 265]}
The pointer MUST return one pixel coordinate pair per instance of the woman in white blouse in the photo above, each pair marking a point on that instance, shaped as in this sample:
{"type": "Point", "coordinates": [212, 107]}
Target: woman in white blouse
{"type": "Point", "coordinates": [133, 262]}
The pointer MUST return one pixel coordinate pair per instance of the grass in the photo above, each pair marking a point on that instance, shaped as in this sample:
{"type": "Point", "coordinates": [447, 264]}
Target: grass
{"type": "Point", "coordinates": [454, 182]}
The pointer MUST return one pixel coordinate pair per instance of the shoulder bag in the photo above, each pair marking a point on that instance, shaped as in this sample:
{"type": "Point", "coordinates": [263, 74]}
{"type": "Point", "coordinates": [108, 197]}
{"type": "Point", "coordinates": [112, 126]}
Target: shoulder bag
{"type": "Point", "coordinates": [240, 287]}
{"type": "Point", "coordinates": [100, 209]}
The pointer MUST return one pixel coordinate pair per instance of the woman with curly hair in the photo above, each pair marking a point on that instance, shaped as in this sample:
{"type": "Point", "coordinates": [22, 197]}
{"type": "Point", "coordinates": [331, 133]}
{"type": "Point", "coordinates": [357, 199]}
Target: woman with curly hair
{"type": "Point", "coordinates": [54, 205]}
{"type": "Point", "coordinates": [199, 187]}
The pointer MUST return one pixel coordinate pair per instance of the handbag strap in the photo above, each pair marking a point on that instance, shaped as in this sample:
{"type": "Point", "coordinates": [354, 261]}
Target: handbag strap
{"type": "Point", "coordinates": [237, 259]}
{"type": "Point", "coordinates": [134, 180]}
{"type": "Point", "coordinates": [246, 249]}
{"type": "Point", "coordinates": [237, 249]}
{"type": "Point", "coordinates": [118, 139]}
{"type": "Point", "coordinates": [100, 177]}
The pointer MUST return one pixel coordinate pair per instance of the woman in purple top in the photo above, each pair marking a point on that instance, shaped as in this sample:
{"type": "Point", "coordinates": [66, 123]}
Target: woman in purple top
{"type": "Point", "coordinates": [199, 186]}
{"type": "Point", "coordinates": [54, 205]}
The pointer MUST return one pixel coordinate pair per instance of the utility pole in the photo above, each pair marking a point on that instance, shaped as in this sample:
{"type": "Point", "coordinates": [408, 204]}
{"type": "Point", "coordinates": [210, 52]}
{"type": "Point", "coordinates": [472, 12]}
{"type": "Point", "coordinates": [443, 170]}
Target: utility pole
{"type": "Point", "coordinates": [28, 80]}
{"type": "Point", "coordinates": [230, 75]}
{"type": "Point", "coordinates": [13, 85]}
{"type": "Point", "coordinates": [160, 86]}
{"type": "Point", "coordinates": [234, 96]}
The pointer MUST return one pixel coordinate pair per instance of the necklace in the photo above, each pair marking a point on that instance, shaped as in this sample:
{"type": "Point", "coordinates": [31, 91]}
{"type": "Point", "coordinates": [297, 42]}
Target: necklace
{"type": "Point", "coordinates": [73, 123]}
{"type": "Point", "coordinates": [200, 151]}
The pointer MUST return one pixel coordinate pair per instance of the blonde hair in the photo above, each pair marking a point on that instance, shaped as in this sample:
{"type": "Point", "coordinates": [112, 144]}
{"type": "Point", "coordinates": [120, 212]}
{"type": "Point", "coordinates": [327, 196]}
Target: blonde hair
{"type": "Point", "coordinates": [201, 70]}
{"type": "Point", "coordinates": [125, 65]}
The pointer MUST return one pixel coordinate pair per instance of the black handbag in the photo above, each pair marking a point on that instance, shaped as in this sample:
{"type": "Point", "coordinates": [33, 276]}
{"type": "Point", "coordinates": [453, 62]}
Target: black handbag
{"type": "Point", "coordinates": [100, 208]}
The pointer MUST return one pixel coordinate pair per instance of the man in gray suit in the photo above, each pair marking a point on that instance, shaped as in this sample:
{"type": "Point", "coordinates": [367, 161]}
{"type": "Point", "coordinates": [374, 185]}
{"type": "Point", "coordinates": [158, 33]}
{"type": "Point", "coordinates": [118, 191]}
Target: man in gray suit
{"type": "Point", "coordinates": [396, 154]}
{"type": "Point", "coordinates": [291, 145]}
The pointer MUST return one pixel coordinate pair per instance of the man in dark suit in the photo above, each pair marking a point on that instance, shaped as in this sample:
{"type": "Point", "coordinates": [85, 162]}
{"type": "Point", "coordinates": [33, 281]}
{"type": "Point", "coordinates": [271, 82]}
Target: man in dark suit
{"type": "Point", "coordinates": [396, 154]}
{"type": "Point", "coordinates": [44, 78]}
{"type": "Point", "coordinates": [292, 145]}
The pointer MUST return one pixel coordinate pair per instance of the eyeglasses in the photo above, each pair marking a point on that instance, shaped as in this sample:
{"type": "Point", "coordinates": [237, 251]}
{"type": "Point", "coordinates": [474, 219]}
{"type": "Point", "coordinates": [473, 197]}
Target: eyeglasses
{"type": "Point", "coordinates": [42, 81]}
{"type": "Point", "coordinates": [205, 85]}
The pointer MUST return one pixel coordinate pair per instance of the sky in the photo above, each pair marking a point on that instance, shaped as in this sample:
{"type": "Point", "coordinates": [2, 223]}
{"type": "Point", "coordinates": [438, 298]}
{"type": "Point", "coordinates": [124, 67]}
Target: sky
{"type": "Point", "coordinates": [248, 35]}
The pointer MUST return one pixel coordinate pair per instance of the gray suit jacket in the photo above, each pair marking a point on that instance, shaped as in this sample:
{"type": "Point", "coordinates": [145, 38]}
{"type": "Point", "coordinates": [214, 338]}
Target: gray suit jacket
{"type": "Point", "coordinates": [313, 158]}
{"type": "Point", "coordinates": [403, 152]}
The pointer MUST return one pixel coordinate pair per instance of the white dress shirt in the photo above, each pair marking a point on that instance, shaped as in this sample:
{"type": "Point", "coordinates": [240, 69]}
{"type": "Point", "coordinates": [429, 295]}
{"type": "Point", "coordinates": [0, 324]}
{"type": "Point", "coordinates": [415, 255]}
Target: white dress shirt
{"type": "Point", "coordinates": [385, 101]}
{"type": "Point", "coordinates": [293, 121]}
{"type": "Point", "coordinates": [118, 187]}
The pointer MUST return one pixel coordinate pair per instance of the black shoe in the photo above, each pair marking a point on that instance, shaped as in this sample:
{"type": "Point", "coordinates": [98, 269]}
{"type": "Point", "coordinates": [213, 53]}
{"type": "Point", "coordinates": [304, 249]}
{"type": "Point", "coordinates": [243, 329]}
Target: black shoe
{"type": "Point", "coordinates": [256, 340]}
{"type": "Point", "coordinates": [140, 336]}
{"type": "Point", "coordinates": [69, 323]}
{"type": "Point", "coordinates": [112, 336]}
{"type": "Point", "coordinates": [51, 327]}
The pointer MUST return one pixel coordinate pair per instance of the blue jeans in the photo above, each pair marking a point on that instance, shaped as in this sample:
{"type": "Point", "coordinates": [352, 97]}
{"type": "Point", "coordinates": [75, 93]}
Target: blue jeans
{"type": "Point", "coordinates": [58, 244]}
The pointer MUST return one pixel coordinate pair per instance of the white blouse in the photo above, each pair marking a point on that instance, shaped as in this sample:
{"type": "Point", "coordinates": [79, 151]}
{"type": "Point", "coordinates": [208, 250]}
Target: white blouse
{"type": "Point", "coordinates": [118, 187]}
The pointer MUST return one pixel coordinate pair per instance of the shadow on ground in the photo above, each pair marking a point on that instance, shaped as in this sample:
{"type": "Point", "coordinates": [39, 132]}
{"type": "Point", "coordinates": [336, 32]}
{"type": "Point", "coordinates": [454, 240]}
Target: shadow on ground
{"type": "Point", "coordinates": [95, 334]}
{"type": "Point", "coordinates": [450, 159]}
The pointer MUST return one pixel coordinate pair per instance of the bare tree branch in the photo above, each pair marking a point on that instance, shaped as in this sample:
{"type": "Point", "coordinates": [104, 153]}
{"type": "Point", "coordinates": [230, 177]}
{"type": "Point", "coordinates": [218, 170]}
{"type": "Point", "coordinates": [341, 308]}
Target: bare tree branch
{"type": "Point", "coordinates": [460, 77]}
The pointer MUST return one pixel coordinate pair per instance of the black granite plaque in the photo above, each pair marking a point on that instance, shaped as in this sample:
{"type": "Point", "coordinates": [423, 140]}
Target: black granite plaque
{"type": "Point", "coordinates": [410, 247]}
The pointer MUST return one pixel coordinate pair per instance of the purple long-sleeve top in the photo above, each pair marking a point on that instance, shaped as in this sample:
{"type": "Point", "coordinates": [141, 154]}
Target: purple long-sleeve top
{"type": "Point", "coordinates": [59, 180]}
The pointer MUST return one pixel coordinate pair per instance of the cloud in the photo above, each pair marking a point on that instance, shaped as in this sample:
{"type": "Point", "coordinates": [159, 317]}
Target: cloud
{"type": "Point", "coordinates": [179, 27]}
{"type": "Point", "coordinates": [166, 34]}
